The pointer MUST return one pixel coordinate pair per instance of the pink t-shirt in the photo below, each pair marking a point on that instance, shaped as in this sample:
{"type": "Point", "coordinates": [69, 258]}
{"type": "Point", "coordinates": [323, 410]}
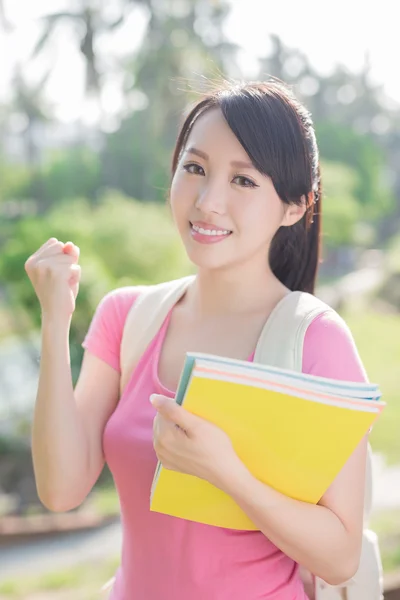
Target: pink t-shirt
{"type": "Point", "coordinates": [166, 558]}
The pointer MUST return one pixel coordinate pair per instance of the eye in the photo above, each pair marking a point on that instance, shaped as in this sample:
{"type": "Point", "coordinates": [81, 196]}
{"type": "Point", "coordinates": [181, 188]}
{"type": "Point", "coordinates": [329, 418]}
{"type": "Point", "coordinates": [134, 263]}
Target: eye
{"type": "Point", "coordinates": [194, 169]}
{"type": "Point", "coordinates": [245, 181]}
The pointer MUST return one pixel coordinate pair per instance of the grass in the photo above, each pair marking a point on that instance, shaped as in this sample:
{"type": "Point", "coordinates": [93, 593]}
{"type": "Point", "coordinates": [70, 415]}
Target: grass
{"type": "Point", "coordinates": [82, 582]}
{"type": "Point", "coordinates": [393, 255]}
{"type": "Point", "coordinates": [391, 559]}
{"type": "Point", "coordinates": [104, 501]}
{"type": "Point", "coordinates": [387, 526]}
{"type": "Point", "coordinates": [377, 337]}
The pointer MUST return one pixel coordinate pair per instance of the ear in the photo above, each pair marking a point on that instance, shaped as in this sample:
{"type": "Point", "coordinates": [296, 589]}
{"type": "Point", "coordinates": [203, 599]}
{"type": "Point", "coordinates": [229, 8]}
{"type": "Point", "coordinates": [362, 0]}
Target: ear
{"type": "Point", "coordinates": [295, 212]}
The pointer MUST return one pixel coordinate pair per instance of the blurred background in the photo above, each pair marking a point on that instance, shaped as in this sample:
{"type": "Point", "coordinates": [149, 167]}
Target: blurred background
{"type": "Point", "coordinates": [91, 95]}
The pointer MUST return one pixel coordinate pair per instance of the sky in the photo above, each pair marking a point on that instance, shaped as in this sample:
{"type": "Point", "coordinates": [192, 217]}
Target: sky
{"type": "Point", "coordinates": [327, 32]}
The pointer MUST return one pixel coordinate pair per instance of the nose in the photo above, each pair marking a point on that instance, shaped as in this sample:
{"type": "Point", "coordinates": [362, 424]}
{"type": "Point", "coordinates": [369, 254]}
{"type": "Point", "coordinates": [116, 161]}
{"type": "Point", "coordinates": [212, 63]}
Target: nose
{"type": "Point", "coordinates": [212, 198]}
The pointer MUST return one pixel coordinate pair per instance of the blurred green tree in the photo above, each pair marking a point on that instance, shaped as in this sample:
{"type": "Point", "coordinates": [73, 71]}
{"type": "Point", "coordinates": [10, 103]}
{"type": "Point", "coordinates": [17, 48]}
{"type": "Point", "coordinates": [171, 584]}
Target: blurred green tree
{"type": "Point", "coordinates": [69, 173]}
{"type": "Point", "coordinates": [341, 209]}
{"type": "Point", "coordinates": [338, 143]}
{"type": "Point", "coordinates": [30, 107]}
{"type": "Point", "coordinates": [355, 124]}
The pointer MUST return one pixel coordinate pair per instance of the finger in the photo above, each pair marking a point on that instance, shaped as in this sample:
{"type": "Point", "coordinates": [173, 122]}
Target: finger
{"type": "Point", "coordinates": [52, 249]}
{"type": "Point", "coordinates": [72, 250]}
{"type": "Point", "coordinates": [48, 269]}
{"type": "Point", "coordinates": [173, 412]}
{"type": "Point", "coordinates": [49, 248]}
{"type": "Point", "coordinates": [156, 430]}
{"type": "Point", "coordinates": [161, 426]}
{"type": "Point", "coordinates": [75, 276]}
{"type": "Point", "coordinates": [50, 241]}
{"type": "Point", "coordinates": [51, 262]}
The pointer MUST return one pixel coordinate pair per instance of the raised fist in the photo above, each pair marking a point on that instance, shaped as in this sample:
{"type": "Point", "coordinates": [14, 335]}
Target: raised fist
{"type": "Point", "coordinates": [54, 273]}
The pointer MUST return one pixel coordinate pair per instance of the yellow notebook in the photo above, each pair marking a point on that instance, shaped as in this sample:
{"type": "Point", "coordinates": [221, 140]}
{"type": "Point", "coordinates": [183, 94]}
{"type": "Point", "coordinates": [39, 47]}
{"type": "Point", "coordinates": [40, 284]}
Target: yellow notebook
{"type": "Point", "coordinates": [292, 432]}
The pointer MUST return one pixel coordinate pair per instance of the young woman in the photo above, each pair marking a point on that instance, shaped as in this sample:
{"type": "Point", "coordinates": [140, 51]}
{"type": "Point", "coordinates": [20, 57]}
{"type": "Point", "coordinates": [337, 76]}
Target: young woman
{"type": "Point", "coordinates": [246, 200]}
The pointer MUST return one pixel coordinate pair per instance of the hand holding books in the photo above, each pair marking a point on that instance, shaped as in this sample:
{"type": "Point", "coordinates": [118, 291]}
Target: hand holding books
{"type": "Point", "coordinates": [189, 444]}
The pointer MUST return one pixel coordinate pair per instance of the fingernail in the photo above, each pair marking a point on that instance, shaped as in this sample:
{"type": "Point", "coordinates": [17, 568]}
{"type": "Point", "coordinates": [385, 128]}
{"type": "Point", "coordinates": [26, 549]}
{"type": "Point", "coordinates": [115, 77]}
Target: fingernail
{"type": "Point", "coordinates": [156, 400]}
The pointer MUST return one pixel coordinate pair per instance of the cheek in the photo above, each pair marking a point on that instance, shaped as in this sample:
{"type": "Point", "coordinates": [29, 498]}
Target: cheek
{"type": "Point", "coordinates": [183, 193]}
{"type": "Point", "coordinates": [178, 197]}
{"type": "Point", "coordinates": [260, 217]}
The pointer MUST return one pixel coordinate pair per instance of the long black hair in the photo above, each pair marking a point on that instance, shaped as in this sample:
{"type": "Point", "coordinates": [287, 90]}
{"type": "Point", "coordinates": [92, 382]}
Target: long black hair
{"type": "Point", "coordinates": [277, 133]}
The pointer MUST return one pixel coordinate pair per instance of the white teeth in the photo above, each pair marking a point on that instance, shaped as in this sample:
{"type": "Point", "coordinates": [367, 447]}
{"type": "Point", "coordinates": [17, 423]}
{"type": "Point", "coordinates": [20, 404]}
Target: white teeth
{"type": "Point", "coordinates": [210, 231]}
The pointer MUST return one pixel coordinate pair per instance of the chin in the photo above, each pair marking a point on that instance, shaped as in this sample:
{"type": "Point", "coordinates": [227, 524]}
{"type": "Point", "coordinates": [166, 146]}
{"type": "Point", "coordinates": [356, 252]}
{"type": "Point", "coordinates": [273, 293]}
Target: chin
{"type": "Point", "coordinates": [209, 261]}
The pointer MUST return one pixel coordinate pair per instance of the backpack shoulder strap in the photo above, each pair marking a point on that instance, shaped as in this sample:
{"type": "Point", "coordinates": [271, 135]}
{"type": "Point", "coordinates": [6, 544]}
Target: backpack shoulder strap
{"type": "Point", "coordinates": [144, 320]}
{"type": "Point", "coordinates": [281, 340]}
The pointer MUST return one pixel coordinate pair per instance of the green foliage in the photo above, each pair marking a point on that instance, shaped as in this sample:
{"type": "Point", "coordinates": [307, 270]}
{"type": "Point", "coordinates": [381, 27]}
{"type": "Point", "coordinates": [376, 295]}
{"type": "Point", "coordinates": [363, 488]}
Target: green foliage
{"type": "Point", "coordinates": [14, 180]}
{"type": "Point", "coordinates": [381, 359]}
{"type": "Point", "coordinates": [342, 144]}
{"type": "Point", "coordinates": [341, 210]}
{"type": "Point", "coordinates": [135, 159]}
{"type": "Point", "coordinates": [148, 247]}
{"type": "Point", "coordinates": [69, 173]}
{"type": "Point", "coordinates": [394, 254]}
{"type": "Point", "coordinates": [104, 501]}
{"type": "Point", "coordinates": [80, 581]}
{"type": "Point", "coordinates": [356, 124]}
{"type": "Point", "coordinates": [389, 291]}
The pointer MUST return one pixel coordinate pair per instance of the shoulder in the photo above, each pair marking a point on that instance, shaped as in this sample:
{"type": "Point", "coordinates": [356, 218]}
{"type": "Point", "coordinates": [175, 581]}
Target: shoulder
{"type": "Point", "coordinates": [330, 350]}
{"type": "Point", "coordinates": [103, 337]}
{"type": "Point", "coordinates": [117, 303]}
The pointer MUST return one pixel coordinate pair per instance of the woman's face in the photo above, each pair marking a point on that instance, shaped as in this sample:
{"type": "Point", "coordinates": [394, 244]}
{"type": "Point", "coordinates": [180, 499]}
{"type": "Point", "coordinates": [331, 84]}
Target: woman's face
{"type": "Point", "coordinates": [226, 211]}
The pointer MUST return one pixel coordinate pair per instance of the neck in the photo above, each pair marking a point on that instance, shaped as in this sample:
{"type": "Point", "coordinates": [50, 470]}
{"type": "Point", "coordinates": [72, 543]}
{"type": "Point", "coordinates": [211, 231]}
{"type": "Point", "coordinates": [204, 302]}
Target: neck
{"type": "Point", "coordinates": [235, 291]}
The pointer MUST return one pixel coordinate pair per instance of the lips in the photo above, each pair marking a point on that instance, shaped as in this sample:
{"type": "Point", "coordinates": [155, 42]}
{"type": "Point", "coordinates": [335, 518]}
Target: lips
{"type": "Point", "coordinates": [205, 233]}
{"type": "Point", "coordinates": [209, 228]}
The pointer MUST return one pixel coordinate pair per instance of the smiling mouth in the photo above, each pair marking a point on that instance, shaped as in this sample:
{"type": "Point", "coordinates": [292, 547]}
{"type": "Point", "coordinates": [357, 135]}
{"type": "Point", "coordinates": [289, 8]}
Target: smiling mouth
{"type": "Point", "coordinates": [210, 231]}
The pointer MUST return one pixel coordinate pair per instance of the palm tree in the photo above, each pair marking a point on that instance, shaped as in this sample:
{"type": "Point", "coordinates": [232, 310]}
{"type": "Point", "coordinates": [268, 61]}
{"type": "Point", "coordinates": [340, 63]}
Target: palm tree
{"type": "Point", "coordinates": [87, 24]}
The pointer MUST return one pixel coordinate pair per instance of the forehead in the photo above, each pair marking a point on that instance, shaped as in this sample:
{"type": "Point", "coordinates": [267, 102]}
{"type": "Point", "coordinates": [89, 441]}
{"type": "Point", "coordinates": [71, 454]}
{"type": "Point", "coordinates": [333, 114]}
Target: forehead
{"type": "Point", "coordinates": [211, 132]}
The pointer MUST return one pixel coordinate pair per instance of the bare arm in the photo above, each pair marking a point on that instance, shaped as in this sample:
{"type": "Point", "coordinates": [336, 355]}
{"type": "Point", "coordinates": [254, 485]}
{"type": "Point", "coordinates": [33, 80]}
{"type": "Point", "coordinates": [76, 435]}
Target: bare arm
{"type": "Point", "coordinates": [68, 425]}
{"type": "Point", "coordinates": [324, 538]}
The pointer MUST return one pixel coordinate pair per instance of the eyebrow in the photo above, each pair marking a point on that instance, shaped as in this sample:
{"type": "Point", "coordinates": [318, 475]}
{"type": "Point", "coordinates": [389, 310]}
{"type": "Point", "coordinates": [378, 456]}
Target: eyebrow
{"type": "Point", "coordinates": [235, 163]}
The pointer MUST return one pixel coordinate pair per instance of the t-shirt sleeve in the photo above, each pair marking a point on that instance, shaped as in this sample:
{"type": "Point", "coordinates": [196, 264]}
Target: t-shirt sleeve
{"type": "Point", "coordinates": [330, 350]}
{"type": "Point", "coordinates": [104, 335]}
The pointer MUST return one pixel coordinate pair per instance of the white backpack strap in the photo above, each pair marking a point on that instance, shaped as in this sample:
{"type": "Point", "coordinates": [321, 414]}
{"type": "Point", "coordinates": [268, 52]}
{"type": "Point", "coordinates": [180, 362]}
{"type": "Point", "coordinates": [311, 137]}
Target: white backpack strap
{"type": "Point", "coordinates": [281, 340]}
{"type": "Point", "coordinates": [145, 319]}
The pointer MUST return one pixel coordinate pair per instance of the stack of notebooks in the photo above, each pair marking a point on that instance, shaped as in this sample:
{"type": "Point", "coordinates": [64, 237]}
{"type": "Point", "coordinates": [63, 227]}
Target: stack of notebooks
{"type": "Point", "coordinates": [294, 432]}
